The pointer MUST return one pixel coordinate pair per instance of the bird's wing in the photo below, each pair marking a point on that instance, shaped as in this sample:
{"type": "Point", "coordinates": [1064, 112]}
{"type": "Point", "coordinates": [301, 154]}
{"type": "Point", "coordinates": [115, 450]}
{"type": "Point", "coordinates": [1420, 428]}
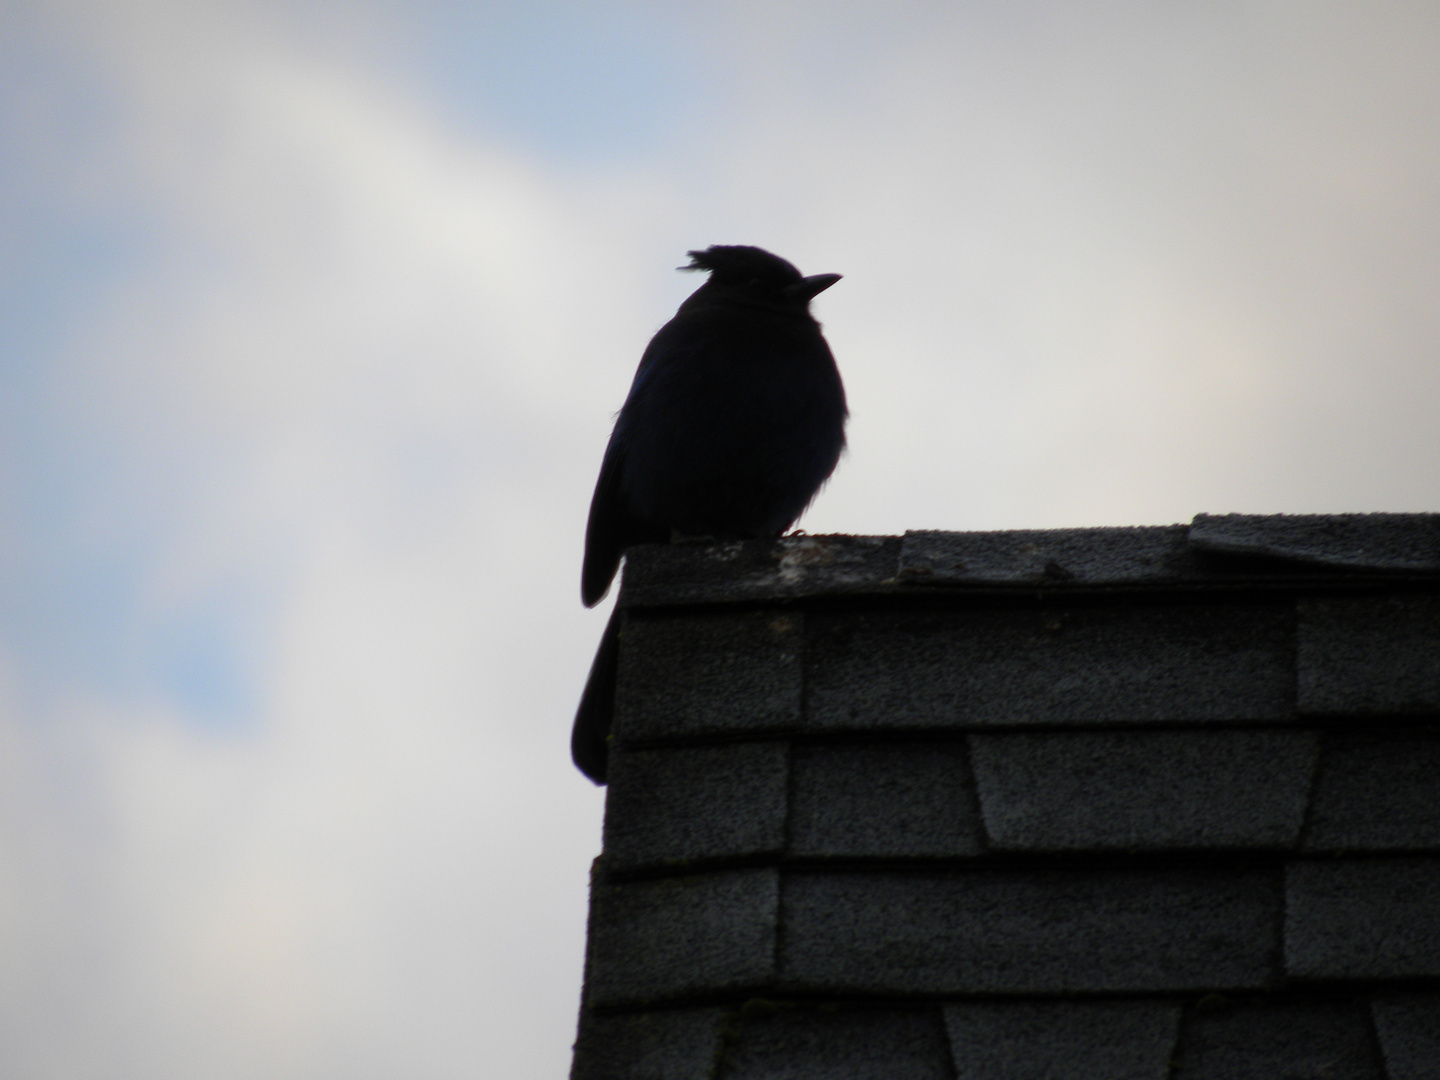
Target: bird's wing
{"type": "Point", "coordinates": [606, 532]}
{"type": "Point", "coordinates": [613, 525]}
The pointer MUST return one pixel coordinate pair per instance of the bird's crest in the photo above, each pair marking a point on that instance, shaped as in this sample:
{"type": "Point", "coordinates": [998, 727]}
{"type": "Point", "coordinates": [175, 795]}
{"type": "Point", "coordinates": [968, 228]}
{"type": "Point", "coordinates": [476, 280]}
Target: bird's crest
{"type": "Point", "coordinates": [739, 263]}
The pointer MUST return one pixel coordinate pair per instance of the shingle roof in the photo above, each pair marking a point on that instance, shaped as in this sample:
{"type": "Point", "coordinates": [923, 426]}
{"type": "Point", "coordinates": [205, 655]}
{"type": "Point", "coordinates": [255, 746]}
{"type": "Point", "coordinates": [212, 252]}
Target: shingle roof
{"type": "Point", "coordinates": [1152, 803]}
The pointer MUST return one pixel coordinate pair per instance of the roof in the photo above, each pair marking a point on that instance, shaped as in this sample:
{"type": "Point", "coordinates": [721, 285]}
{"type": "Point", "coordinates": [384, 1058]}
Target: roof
{"type": "Point", "coordinates": [1212, 551]}
{"type": "Point", "coordinates": [1064, 803]}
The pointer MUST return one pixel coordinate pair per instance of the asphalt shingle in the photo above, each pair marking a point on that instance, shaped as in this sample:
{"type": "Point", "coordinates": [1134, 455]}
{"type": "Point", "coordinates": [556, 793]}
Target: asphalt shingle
{"type": "Point", "coordinates": [1362, 655]}
{"type": "Point", "coordinates": [688, 804]}
{"type": "Point", "coordinates": [1304, 1040]}
{"type": "Point", "coordinates": [723, 672]}
{"type": "Point", "coordinates": [1377, 794]}
{"type": "Point", "coordinates": [884, 1044]}
{"type": "Point", "coordinates": [896, 800]}
{"type": "Point", "coordinates": [1048, 556]}
{"type": "Point", "coordinates": [658, 575]}
{"type": "Point", "coordinates": [1349, 541]}
{"type": "Point", "coordinates": [989, 805]}
{"type": "Point", "coordinates": [1143, 790]}
{"type": "Point", "coordinates": [1363, 919]}
{"type": "Point", "coordinates": [1047, 932]}
{"type": "Point", "coordinates": [1409, 1029]}
{"type": "Point", "coordinates": [681, 937]}
{"type": "Point", "coordinates": [1020, 665]}
{"type": "Point", "coordinates": [670, 1044]}
{"type": "Point", "coordinates": [1062, 1040]}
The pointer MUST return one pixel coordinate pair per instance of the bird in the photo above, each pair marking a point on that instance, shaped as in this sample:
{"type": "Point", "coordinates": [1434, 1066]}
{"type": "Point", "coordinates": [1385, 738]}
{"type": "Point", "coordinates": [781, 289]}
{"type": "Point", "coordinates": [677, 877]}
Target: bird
{"type": "Point", "coordinates": [734, 421]}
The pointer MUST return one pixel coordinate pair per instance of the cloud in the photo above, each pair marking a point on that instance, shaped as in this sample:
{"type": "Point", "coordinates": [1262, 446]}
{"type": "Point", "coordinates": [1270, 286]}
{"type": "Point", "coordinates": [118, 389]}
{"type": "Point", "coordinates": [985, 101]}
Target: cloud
{"type": "Point", "coordinates": [338, 387]}
{"type": "Point", "coordinates": [1111, 265]}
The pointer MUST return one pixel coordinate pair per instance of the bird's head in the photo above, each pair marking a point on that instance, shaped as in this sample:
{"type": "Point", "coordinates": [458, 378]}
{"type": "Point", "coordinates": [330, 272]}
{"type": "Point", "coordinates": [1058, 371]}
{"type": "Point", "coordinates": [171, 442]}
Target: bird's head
{"type": "Point", "coordinates": [752, 274]}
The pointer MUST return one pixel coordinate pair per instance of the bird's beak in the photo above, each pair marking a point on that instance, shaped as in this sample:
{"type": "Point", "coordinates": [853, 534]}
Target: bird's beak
{"type": "Point", "coordinates": [809, 288]}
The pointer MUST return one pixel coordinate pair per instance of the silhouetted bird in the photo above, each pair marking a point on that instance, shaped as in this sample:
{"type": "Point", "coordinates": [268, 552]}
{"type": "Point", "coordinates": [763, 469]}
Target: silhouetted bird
{"type": "Point", "coordinates": [735, 418]}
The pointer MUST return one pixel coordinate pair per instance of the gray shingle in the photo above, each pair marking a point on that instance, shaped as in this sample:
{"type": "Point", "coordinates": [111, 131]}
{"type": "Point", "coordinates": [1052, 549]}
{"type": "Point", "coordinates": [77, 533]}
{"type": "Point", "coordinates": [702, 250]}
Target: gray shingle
{"type": "Point", "coordinates": [1116, 691]}
{"type": "Point", "coordinates": [1143, 789]}
{"type": "Point", "coordinates": [807, 566]}
{"type": "Point", "coordinates": [839, 1045]}
{"type": "Point", "coordinates": [961, 667]}
{"type": "Point", "coordinates": [1351, 541]}
{"type": "Point", "coordinates": [1363, 919]}
{"type": "Point", "coordinates": [1047, 556]}
{"type": "Point", "coordinates": [1309, 1040]}
{"type": "Point", "coordinates": [1409, 1030]}
{"type": "Point", "coordinates": [1051, 931]}
{"type": "Point", "coordinates": [872, 799]}
{"type": "Point", "coordinates": [681, 936]}
{"type": "Point", "coordinates": [793, 566]}
{"type": "Point", "coordinates": [672, 1044]}
{"type": "Point", "coordinates": [720, 672]}
{"type": "Point", "coordinates": [1377, 793]}
{"type": "Point", "coordinates": [691, 803]}
{"type": "Point", "coordinates": [1061, 1040]}
{"type": "Point", "coordinates": [1369, 654]}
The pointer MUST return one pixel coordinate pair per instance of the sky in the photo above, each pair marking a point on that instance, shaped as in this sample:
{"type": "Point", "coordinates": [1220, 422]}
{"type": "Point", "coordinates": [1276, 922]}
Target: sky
{"type": "Point", "coordinates": [313, 322]}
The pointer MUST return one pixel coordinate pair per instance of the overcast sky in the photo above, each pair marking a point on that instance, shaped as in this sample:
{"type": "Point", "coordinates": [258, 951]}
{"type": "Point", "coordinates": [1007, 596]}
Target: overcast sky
{"type": "Point", "coordinates": [313, 319]}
